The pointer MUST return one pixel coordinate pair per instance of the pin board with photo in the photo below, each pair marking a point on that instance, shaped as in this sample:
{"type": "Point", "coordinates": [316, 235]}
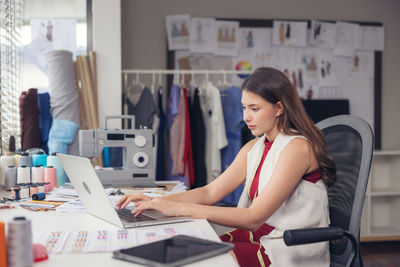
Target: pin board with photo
{"type": "Point", "coordinates": [336, 66]}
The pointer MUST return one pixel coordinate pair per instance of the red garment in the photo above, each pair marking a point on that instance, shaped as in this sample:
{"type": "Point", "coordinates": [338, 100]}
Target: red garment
{"type": "Point", "coordinates": [312, 177]}
{"type": "Point", "coordinates": [247, 247]}
{"type": "Point", "coordinates": [188, 151]}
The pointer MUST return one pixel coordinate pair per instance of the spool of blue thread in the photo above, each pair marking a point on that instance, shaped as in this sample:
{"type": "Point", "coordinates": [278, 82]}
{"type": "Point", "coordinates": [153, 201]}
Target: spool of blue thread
{"type": "Point", "coordinates": [55, 162]}
{"type": "Point", "coordinates": [39, 196]}
{"type": "Point", "coordinates": [39, 159]}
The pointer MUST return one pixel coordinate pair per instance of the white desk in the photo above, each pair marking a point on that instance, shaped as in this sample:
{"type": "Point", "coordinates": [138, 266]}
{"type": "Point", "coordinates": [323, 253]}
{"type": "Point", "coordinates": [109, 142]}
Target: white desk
{"type": "Point", "coordinates": [51, 221]}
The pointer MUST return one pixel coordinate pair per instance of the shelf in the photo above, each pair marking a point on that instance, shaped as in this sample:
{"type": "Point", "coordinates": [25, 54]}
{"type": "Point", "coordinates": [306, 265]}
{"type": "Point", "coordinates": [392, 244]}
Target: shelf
{"type": "Point", "coordinates": [393, 230]}
{"type": "Point", "coordinates": [386, 153]}
{"type": "Point", "coordinates": [385, 192]}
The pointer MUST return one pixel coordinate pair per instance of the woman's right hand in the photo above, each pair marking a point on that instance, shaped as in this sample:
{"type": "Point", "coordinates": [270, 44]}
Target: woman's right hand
{"type": "Point", "coordinates": [128, 198]}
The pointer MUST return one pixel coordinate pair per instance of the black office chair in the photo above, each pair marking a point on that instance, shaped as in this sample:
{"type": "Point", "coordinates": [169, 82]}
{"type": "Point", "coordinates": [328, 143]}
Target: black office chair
{"type": "Point", "coordinates": [349, 141]}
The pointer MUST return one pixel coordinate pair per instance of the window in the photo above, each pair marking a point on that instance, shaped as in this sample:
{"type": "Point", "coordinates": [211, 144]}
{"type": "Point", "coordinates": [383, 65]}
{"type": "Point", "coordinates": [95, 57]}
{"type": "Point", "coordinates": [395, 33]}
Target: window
{"type": "Point", "coordinates": [38, 26]}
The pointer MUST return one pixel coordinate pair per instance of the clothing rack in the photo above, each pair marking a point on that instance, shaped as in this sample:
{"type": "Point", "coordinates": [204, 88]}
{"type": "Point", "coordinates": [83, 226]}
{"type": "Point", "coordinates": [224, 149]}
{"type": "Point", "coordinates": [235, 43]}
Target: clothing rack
{"type": "Point", "coordinates": [176, 72]}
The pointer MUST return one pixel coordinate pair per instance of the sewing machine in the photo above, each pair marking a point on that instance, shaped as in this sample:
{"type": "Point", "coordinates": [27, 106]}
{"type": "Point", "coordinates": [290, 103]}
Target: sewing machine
{"type": "Point", "coordinates": [138, 168]}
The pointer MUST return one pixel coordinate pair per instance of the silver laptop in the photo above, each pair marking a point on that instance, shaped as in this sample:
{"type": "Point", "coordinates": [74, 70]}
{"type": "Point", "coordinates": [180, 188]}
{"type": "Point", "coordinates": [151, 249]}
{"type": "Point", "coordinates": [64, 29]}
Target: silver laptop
{"type": "Point", "coordinates": [96, 201]}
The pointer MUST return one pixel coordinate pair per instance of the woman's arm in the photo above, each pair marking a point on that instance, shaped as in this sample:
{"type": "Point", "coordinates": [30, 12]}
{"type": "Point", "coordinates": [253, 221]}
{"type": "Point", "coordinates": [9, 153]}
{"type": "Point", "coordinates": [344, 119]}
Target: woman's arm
{"type": "Point", "coordinates": [295, 160]}
{"type": "Point", "coordinates": [210, 194]}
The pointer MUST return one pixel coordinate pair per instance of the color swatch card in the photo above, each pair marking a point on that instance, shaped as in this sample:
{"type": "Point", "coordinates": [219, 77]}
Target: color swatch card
{"type": "Point", "coordinates": [53, 241]}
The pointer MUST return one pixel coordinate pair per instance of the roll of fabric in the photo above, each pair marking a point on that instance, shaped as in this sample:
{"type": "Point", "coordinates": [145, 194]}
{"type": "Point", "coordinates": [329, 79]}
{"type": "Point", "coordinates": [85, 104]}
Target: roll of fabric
{"type": "Point", "coordinates": [29, 119]}
{"type": "Point", "coordinates": [64, 100]}
{"type": "Point", "coordinates": [45, 118]}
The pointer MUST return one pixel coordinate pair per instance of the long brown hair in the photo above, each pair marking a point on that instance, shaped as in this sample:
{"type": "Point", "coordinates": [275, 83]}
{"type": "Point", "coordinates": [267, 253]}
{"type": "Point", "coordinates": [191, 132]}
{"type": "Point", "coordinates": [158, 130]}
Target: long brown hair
{"type": "Point", "coordinates": [274, 86]}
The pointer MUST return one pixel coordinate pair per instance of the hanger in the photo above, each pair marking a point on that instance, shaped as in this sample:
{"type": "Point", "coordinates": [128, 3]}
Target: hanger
{"type": "Point", "coordinates": [160, 88]}
{"type": "Point", "coordinates": [153, 83]}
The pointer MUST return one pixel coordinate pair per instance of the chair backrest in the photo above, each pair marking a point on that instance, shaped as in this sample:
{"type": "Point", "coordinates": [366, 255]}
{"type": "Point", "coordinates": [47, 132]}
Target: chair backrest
{"type": "Point", "coordinates": [349, 141]}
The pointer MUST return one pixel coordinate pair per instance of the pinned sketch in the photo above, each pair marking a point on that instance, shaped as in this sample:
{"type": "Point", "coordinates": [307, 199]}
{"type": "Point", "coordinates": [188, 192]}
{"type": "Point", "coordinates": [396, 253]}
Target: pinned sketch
{"type": "Point", "coordinates": [227, 38]}
{"type": "Point", "coordinates": [60, 33]}
{"type": "Point", "coordinates": [255, 39]}
{"type": "Point", "coordinates": [372, 38]}
{"type": "Point", "coordinates": [322, 34]}
{"type": "Point", "coordinates": [360, 65]}
{"type": "Point", "coordinates": [327, 69]}
{"type": "Point", "coordinates": [48, 35]}
{"type": "Point", "coordinates": [178, 31]}
{"type": "Point", "coordinates": [347, 39]}
{"type": "Point", "coordinates": [289, 33]}
{"type": "Point", "coordinates": [202, 37]}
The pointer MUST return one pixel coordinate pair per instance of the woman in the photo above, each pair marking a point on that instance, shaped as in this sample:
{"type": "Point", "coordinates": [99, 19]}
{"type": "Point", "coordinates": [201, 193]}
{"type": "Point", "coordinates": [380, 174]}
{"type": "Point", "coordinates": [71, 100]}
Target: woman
{"type": "Point", "coordinates": [285, 171]}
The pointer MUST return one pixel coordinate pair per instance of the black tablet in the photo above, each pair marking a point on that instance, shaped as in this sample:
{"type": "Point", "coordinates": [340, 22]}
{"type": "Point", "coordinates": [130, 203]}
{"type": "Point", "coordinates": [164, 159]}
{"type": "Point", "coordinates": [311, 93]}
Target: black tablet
{"type": "Point", "coordinates": [174, 251]}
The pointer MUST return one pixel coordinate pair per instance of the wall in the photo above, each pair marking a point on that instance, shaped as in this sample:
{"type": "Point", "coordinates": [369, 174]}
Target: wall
{"type": "Point", "coordinates": [144, 42]}
{"type": "Point", "coordinates": [107, 44]}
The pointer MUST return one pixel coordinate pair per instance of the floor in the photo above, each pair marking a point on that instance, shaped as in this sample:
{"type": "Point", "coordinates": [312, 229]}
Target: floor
{"type": "Point", "coordinates": [382, 254]}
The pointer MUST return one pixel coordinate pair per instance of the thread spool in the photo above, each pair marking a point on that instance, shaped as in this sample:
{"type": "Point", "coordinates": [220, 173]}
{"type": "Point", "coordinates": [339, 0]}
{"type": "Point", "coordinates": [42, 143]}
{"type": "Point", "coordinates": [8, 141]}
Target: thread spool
{"type": "Point", "coordinates": [39, 196]}
{"type": "Point", "coordinates": [11, 177]}
{"type": "Point", "coordinates": [37, 174]}
{"type": "Point", "coordinates": [3, 246]}
{"type": "Point", "coordinates": [24, 160]}
{"type": "Point", "coordinates": [19, 242]}
{"type": "Point", "coordinates": [47, 187]}
{"type": "Point", "coordinates": [39, 159]}
{"type": "Point", "coordinates": [33, 189]}
{"type": "Point", "coordinates": [40, 187]}
{"type": "Point", "coordinates": [55, 162]}
{"type": "Point", "coordinates": [50, 176]}
{"type": "Point", "coordinates": [23, 175]}
{"type": "Point", "coordinates": [24, 192]}
{"type": "Point", "coordinates": [15, 192]}
{"type": "Point", "coordinates": [5, 161]}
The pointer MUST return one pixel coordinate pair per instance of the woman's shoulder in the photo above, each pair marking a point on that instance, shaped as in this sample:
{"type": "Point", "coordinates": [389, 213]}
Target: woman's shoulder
{"type": "Point", "coordinates": [249, 145]}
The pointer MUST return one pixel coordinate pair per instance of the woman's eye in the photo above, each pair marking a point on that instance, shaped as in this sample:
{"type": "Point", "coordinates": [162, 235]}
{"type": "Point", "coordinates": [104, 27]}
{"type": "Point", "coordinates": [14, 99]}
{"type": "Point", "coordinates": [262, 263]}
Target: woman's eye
{"type": "Point", "coordinates": [254, 109]}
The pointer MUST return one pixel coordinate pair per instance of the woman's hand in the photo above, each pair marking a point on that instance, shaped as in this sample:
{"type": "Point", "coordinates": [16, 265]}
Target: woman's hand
{"type": "Point", "coordinates": [128, 198]}
{"type": "Point", "coordinates": [165, 207]}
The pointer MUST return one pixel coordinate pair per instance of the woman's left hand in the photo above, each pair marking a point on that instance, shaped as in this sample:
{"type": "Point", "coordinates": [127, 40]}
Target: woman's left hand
{"type": "Point", "coordinates": [165, 207]}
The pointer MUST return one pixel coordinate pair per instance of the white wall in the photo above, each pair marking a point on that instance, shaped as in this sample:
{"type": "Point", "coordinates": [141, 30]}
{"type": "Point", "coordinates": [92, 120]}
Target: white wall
{"type": "Point", "coordinates": [107, 45]}
{"type": "Point", "coordinates": [144, 44]}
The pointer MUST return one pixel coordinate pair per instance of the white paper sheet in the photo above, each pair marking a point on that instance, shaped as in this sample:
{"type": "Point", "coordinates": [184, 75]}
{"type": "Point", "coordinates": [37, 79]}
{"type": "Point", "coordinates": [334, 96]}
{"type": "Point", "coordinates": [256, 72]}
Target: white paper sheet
{"type": "Point", "coordinates": [372, 38]}
{"type": "Point", "coordinates": [178, 31]}
{"type": "Point", "coordinates": [202, 35]}
{"type": "Point", "coordinates": [322, 34]}
{"type": "Point", "coordinates": [289, 33]}
{"type": "Point", "coordinates": [227, 36]}
{"type": "Point", "coordinates": [347, 39]}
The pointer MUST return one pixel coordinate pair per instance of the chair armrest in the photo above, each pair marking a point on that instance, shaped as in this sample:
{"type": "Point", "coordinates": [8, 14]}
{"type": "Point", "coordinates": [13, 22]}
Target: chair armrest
{"type": "Point", "coordinates": [314, 235]}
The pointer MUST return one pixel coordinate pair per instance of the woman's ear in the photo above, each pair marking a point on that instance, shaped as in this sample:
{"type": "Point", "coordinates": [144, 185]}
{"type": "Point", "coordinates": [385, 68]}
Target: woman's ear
{"type": "Point", "coordinates": [278, 108]}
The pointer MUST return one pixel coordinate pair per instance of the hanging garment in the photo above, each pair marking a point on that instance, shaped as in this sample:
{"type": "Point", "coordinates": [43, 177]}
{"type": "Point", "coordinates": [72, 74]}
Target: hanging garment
{"type": "Point", "coordinates": [145, 111]}
{"type": "Point", "coordinates": [172, 111]}
{"type": "Point", "coordinates": [177, 137]}
{"type": "Point", "coordinates": [45, 119]}
{"type": "Point", "coordinates": [210, 101]}
{"type": "Point", "coordinates": [188, 152]}
{"type": "Point", "coordinates": [233, 116]}
{"type": "Point", "coordinates": [160, 172]}
{"type": "Point", "coordinates": [64, 99]}
{"type": "Point", "coordinates": [29, 119]}
{"type": "Point", "coordinates": [198, 141]}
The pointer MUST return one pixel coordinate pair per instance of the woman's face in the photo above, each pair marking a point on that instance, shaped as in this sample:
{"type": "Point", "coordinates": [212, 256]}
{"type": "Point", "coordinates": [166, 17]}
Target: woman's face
{"type": "Point", "coordinates": [260, 115]}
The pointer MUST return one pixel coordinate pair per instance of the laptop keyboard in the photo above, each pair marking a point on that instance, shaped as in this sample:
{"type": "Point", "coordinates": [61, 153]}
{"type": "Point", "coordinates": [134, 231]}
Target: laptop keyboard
{"type": "Point", "coordinates": [126, 215]}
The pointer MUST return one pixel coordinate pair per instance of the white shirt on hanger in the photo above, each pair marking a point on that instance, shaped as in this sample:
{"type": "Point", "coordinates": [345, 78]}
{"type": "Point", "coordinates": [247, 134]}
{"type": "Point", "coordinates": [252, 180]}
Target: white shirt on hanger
{"type": "Point", "coordinates": [210, 101]}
